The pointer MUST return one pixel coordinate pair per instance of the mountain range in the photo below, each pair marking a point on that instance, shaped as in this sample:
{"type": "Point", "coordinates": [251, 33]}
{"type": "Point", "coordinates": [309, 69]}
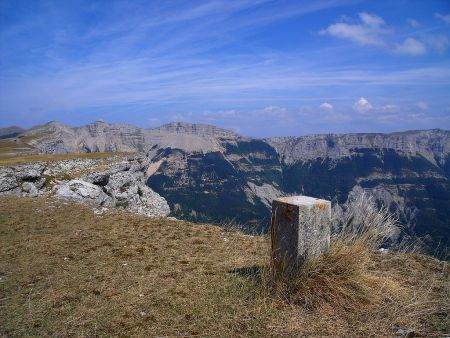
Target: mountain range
{"type": "Point", "coordinates": [208, 174]}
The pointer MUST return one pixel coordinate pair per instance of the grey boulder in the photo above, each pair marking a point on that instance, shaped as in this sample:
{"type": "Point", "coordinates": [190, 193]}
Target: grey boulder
{"type": "Point", "coordinates": [99, 178]}
{"type": "Point", "coordinates": [119, 166]}
{"type": "Point", "coordinates": [139, 198]}
{"type": "Point", "coordinates": [29, 172]}
{"type": "Point", "coordinates": [8, 185]}
{"type": "Point", "coordinates": [151, 203]}
{"type": "Point", "coordinates": [85, 192]}
{"type": "Point", "coordinates": [129, 192]}
{"type": "Point", "coordinates": [122, 180]}
{"type": "Point", "coordinates": [33, 188]}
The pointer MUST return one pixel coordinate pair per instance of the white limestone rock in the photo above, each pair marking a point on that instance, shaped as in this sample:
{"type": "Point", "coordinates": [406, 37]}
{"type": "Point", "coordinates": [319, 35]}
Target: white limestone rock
{"type": "Point", "coordinates": [8, 185]}
{"type": "Point", "coordinates": [119, 167]}
{"type": "Point", "coordinates": [30, 172]}
{"type": "Point", "coordinates": [34, 188]}
{"type": "Point", "coordinates": [150, 203]}
{"type": "Point", "coordinates": [97, 178]}
{"type": "Point", "coordinates": [81, 191]}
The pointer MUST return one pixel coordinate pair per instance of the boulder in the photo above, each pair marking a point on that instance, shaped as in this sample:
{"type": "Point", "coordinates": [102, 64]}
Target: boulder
{"type": "Point", "coordinates": [33, 188]}
{"type": "Point", "coordinates": [119, 166]}
{"type": "Point", "coordinates": [30, 188]}
{"type": "Point", "coordinates": [7, 184]}
{"type": "Point", "coordinates": [81, 191]}
{"type": "Point", "coordinates": [126, 196]}
{"type": "Point", "coordinates": [128, 191]}
{"type": "Point", "coordinates": [30, 172]}
{"type": "Point", "coordinates": [6, 171]}
{"type": "Point", "coordinates": [121, 180]}
{"type": "Point", "coordinates": [136, 157]}
{"type": "Point", "coordinates": [39, 184]}
{"type": "Point", "coordinates": [136, 166]}
{"type": "Point", "coordinates": [99, 178]}
{"type": "Point", "coordinates": [152, 204]}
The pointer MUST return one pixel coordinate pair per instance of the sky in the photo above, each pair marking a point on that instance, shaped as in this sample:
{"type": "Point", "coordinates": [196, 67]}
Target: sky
{"type": "Point", "coordinates": [258, 67]}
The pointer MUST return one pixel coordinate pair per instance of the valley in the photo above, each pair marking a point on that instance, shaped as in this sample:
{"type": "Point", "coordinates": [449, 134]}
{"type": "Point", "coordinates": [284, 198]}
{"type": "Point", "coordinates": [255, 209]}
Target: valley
{"type": "Point", "coordinates": [212, 175]}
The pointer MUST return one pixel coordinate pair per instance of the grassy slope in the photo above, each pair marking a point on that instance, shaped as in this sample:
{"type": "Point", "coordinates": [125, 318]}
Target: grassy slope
{"type": "Point", "coordinates": [18, 150]}
{"type": "Point", "coordinates": [68, 272]}
{"type": "Point", "coordinates": [11, 147]}
{"type": "Point", "coordinates": [15, 159]}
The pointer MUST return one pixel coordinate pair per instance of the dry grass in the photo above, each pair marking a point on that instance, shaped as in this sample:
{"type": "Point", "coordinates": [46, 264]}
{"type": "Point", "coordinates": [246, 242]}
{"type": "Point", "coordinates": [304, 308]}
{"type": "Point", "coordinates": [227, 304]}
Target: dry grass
{"type": "Point", "coordinates": [17, 159]}
{"type": "Point", "coordinates": [20, 146]}
{"type": "Point", "coordinates": [344, 280]}
{"type": "Point", "coordinates": [18, 150]}
{"type": "Point", "coordinates": [14, 146]}
{"type": "Point", "coordinates": [68, 272]}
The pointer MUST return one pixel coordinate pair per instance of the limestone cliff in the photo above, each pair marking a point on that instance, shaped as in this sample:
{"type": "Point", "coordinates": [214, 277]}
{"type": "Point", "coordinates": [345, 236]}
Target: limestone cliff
{"type": "Point", "coordinates": [210, 174]}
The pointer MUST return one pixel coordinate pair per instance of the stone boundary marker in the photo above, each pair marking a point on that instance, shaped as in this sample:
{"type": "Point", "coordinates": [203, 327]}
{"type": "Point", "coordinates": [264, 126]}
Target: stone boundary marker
{"type": "Point", "coordinates": [301, 229]}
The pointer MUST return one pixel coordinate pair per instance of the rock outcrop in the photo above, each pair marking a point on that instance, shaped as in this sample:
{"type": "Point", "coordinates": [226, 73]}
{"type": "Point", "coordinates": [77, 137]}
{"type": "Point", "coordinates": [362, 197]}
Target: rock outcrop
{"type": "Point", "coordinates": [122, 185]}
{"type": "Point", "coordinates": [82, 191]}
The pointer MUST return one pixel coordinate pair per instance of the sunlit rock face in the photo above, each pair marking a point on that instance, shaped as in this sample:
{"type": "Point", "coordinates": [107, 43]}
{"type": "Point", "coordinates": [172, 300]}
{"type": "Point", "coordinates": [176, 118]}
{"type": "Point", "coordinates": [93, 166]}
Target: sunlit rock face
{"type": "Point", "coordinates": [209, 174]}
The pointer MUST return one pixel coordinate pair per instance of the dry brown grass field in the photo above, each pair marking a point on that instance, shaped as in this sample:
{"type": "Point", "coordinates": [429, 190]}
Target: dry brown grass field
{"type": "Point", "coordinates": [18, 150]}
{"type": "Point", "coordinates": [15, 159]}
{"type": "Point", "coordinates": [65, 271]}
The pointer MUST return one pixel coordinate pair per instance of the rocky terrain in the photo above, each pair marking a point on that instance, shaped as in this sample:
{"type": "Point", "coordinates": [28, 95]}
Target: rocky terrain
{"type": "Point", "coordinates": [121, 183]}
{"type": "Point", "coordinates": [209, 174]}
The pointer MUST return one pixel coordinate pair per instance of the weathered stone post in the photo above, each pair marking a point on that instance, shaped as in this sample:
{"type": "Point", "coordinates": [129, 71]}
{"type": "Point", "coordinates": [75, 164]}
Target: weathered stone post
{"type": "Point", "coordinates": [301, 228]}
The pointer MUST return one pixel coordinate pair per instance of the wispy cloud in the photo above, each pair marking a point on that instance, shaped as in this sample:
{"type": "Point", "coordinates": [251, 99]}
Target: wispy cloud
{"type": "Point", "coordinates": [443, 17]}
{"type": "Point", "coordinates": [422, 105]}
{"type": "Point", "coordinates": [369, 30]}
{"type": "Point", "coordinates": [411, 46]}
{"type": "Point", "coordinates": [414, 23]}
{"type": "Point", "coordinates": [211, 61]}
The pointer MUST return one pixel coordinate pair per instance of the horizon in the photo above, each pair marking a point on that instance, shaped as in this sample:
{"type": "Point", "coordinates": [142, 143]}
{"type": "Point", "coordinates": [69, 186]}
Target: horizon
{"type": "Point", "coordinates": [259, 68]}
{"type": "Point", "coordinates": [212, 125]}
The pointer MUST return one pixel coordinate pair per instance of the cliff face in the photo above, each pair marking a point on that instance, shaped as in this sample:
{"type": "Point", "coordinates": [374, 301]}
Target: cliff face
{"type": "Point", "coordinates": [210, 174]}
{"type": "Point", "coordinates": [434, 145]}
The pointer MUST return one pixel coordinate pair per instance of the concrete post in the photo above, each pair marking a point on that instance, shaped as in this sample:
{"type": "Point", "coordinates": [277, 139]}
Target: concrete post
{"type": "Point", "coordinates": [301, 228]}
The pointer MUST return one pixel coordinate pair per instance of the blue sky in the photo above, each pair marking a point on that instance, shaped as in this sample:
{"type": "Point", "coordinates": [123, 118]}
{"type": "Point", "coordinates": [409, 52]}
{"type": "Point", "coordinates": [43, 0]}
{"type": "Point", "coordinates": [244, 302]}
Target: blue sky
{"type": "Point", "coordinates": [259, 67]}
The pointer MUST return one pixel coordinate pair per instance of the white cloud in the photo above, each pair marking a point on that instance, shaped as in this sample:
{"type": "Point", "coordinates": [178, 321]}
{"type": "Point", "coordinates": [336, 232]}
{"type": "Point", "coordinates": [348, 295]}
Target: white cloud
{"type": "Point", "coordinates": [273, 112]}
{"type": "Point", "coordinates": [368, 31]}
{"type": "Point", "coordinates": [362, 106]}
{"type": "Point", "coordinates": [371, 20]}
{"type": "Point", "coordinates": [411, 46]}
{"type": "Point", "coordinates": [422, 105]}
{"type": "Point", "coordinates": [371, 29]}
{"type": "Point", "coordinates": [443, 17]}
{"type": "Point", "coordinates": [388, 109]}
{"type": "Point", "coordinates": [414, 23]}
{"type": "Point", "coordinates": [326, 106]}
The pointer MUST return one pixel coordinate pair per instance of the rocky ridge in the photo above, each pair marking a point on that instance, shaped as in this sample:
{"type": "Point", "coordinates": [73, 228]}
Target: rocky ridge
{"type": "Point", "coordinates": [56, 138]}
{"type": "Point", "coordinates": [121, 185]}
{"type": "Point", "coordinates": [434, 145]}
{"type": "Point", "coordinates": [208, 174]}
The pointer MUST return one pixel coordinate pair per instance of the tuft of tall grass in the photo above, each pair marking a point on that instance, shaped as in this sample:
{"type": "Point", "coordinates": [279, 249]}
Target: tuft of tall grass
{"type": "Point", "coordinates": [341, 278]}
{"type": "Point", "coordinates": [361, 221]}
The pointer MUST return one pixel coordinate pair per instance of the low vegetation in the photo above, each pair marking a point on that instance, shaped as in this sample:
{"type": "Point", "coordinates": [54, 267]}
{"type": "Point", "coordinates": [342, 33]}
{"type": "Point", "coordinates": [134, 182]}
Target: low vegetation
{"type": "Point", "coordinates": [19, 150]}
{"type": "Point", "coordinates": [14, 159]}
{"type": "Point", "coordinates": [67, 271]}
